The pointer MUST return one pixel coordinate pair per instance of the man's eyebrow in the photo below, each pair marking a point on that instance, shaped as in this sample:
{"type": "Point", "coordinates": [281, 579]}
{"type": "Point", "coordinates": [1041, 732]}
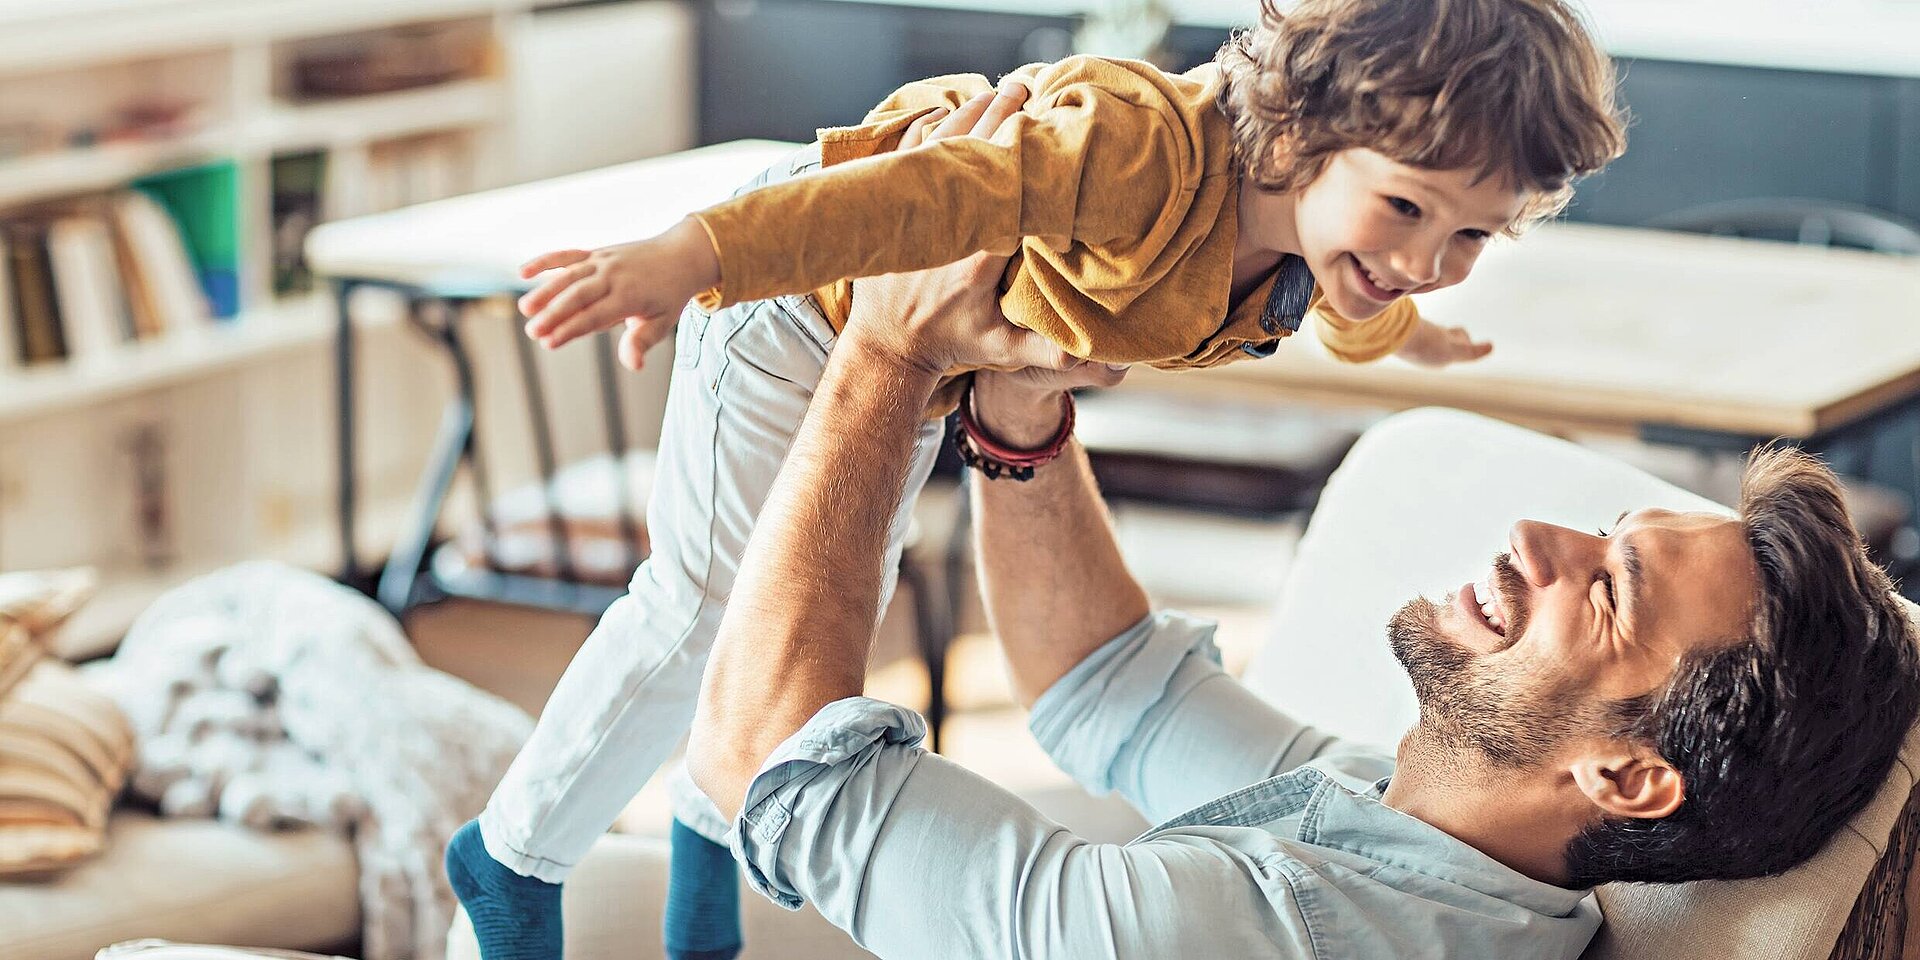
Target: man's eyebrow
{"type": "Point", "coordinates": [1630, 584]}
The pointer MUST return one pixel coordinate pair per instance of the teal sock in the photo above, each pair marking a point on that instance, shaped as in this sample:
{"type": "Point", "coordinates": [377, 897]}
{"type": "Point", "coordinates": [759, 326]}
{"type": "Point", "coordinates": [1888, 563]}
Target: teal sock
{"type": "Point", "coordinates": [514, 917]}
{"type": "Point", "coordinates": [703, 899]}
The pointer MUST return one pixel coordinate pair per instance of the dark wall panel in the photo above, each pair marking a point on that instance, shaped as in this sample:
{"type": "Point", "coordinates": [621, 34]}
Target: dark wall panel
{"type": "Point", "coordinates": [1704, 133]}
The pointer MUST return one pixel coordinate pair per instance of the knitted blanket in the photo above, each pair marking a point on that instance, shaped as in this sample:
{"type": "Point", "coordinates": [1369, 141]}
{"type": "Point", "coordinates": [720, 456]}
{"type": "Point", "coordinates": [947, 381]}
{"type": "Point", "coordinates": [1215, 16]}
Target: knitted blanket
{"type": "Point", "coordinates": [273, 697]}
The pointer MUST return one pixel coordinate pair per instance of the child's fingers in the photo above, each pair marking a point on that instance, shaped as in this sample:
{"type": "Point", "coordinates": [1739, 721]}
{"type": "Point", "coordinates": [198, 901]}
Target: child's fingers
{"type": "Point", "coordinates": [572, 300]}
{"type": "Point", "coordinates": [600, 315]}
{"type": "Point", "coordinates": [536, 300]}
{"type": "Point", "coordinates": [638, 340]}
{"type": "Point", "coordinates": [547, 261]}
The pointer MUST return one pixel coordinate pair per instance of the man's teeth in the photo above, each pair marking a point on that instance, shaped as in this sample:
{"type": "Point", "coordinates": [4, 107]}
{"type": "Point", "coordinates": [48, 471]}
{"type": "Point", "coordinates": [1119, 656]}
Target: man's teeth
{"type": "Point", "coordinates": [1483, 594]}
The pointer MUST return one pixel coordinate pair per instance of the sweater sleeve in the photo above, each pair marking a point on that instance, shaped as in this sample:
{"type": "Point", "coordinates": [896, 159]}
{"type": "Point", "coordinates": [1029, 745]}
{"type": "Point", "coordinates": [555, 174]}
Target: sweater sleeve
{"type": "Point", "coordinates": [1366, 340]}
{"type": "Point", "coordinates": [1086, 161]}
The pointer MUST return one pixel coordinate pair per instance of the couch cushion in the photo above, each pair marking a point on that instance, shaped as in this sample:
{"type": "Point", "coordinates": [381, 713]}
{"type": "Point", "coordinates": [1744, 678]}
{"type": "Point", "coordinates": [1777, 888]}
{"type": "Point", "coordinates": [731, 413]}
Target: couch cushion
{"type": "Point", "coordinates": [1421, 504]}
{"type": "Point", "coordinates": [198, 880]}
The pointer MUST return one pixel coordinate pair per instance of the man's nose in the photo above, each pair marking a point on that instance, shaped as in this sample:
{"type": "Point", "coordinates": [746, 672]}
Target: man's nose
{"type": "Point", "coordinates": [1544, 552]}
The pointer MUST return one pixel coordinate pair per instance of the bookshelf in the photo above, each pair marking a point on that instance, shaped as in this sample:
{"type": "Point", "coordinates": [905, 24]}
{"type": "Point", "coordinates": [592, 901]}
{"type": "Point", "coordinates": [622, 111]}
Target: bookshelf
{"type": "Point", "coordinates": [288, 113]}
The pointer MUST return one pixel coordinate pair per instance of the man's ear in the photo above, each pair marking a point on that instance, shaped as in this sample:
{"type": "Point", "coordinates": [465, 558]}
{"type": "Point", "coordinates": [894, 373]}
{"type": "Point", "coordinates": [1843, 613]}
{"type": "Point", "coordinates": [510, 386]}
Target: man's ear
{"type": "Point", "coordinates": [1629, 783]}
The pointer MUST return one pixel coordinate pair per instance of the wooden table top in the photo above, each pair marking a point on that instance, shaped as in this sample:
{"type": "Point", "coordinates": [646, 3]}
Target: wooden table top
{"type": "Point", "coordinates": [1618, 328]}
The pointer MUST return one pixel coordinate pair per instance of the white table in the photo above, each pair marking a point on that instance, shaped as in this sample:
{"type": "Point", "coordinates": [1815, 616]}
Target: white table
{"type": "Point", "coordinates": [470, 247]}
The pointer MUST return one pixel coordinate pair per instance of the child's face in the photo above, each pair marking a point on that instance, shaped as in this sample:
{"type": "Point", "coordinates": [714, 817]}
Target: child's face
{"type": "Point", "coordinates": [1374, 230]}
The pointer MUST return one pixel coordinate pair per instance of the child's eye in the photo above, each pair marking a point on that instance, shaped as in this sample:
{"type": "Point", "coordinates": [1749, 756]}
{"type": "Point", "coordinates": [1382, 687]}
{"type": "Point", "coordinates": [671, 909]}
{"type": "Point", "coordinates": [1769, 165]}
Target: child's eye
{"type": "Point", "coordinates": [1403, 206]}
{"type": "Point", "coordinates": [1475, 235]}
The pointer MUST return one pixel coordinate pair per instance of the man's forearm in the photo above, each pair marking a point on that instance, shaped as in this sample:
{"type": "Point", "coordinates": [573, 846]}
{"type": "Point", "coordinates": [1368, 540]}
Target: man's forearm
{"type": "Point", "coordinates": [795, 635]}
{"type": "Point", "coordinates": [1056, 587]}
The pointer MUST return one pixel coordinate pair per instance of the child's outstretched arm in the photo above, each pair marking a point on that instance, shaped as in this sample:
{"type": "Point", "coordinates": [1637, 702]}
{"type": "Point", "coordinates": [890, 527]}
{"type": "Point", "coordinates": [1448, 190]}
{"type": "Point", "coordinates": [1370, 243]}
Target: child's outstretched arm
{"type": "Point", "coordinates": [1432, 345]}
{"type": "Point", "coordinates": [646, 283]}
{"type": "Point", "coordinates": [1081, 163]}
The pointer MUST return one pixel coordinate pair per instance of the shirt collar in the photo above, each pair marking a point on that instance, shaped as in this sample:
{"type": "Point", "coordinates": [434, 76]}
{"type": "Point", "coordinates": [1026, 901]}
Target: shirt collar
{"type": "Point", "coordinates": [1347, 814]}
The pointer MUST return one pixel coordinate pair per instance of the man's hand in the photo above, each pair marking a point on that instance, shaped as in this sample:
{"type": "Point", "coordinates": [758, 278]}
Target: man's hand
{"type": "Point", "coordinates": [1435, 346]}
{"type": "Point", "coordinates": [645, 283]}
{"type": "Point", "coordinates": [940, 319]}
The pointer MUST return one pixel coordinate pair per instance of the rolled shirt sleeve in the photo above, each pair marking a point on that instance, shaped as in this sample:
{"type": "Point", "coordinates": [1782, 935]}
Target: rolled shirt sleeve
{"type": "Point", "coordinates": [918, 858]}
{"type": "Point", "coordinates": [1153, 715]}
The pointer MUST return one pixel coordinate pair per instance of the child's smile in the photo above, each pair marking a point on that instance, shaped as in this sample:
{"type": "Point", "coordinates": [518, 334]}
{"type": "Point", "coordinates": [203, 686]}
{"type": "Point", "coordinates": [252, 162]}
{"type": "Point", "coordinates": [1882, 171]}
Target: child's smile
{"type": "Point", "coordinates": [1374, 230]}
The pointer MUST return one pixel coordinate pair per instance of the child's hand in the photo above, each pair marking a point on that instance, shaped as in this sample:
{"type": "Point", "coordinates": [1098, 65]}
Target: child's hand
{"type": "Point", "coordinates": [1435, 346]}
{"type": "Point", "coordinates": [646, 283]}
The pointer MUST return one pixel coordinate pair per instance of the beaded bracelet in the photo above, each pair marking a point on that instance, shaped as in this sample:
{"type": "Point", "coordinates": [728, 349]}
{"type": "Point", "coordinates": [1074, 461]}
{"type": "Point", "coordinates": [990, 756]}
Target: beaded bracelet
{"type": "Point", "coordinates": [983, 452]}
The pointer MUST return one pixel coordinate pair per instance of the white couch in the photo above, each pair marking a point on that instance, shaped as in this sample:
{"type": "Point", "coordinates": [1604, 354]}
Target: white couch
{"type": "Point", "coordinates": [1422, 503]}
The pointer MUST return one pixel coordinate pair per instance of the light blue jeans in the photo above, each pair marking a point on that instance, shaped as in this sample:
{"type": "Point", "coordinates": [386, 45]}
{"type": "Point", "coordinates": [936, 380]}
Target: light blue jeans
{"type": "Point", "coordinates": [742, 379]}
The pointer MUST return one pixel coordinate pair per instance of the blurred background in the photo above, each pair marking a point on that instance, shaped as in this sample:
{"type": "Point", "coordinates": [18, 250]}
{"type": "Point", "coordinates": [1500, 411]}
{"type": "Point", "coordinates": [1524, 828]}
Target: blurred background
{"type": "Point", "coordinates": [184, 387]}
{"type": "Point", "coordinates": [167, 379]}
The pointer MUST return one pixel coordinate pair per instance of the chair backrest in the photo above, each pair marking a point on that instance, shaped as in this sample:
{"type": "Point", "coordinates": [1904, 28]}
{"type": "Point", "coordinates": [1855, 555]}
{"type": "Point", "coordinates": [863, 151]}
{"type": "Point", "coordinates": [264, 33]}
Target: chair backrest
{"type": "Point", "coordinates": [552, 446]}
{"type": "Point", "coordinates": [1821, 223]}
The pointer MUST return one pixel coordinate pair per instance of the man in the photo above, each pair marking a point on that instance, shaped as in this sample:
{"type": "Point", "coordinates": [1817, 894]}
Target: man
{"type": "Point", "coordinates": [1682, 697]}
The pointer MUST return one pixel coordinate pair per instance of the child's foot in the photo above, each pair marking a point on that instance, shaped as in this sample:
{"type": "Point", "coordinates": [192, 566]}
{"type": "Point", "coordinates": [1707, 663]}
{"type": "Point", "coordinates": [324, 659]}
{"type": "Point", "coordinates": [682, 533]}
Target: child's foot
{"type": "Point", "coordinates": [703, 899]}
{"type": "Point", "coordinates": [514, 917]}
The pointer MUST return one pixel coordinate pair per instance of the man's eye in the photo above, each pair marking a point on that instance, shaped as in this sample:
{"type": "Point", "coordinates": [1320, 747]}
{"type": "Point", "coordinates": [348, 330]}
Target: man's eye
{"type": "Point", "coordinates": [1612, 601]}
{"type": "Point", "coordinates": [1403, 206]}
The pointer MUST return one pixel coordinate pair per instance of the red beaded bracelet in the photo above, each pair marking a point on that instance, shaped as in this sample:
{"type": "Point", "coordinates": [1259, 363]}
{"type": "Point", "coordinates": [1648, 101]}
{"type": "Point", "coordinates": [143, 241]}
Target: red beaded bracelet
{"type": "Point", "coordinates": [981, 451]}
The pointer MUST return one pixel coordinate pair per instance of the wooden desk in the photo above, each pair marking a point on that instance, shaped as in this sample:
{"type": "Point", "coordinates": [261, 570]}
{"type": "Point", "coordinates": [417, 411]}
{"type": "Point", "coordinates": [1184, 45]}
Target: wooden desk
{"type": "Point", "coordinates": [1640, 331]}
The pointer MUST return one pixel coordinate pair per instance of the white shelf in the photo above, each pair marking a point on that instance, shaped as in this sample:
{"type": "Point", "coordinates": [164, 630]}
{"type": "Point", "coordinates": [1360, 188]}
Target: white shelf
{"type": "Point", "coordinates": [39, 35]}
{"type": "Point", "coordinates": [460, 103]}
{"type": "Point", "coordinates": [31, 391]}
{"type": "Point", "coordinates": [85, 169]}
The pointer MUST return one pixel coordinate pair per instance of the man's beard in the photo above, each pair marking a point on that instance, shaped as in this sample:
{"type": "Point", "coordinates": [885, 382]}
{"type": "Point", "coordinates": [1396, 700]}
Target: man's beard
{"type": "Point", "coordinates": [1465, 702]}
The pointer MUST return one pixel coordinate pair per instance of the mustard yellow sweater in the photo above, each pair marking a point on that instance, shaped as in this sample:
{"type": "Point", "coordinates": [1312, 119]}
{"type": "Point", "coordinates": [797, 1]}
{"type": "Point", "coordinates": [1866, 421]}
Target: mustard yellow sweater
{"type": "Point", "coordinates": [1114, 190]}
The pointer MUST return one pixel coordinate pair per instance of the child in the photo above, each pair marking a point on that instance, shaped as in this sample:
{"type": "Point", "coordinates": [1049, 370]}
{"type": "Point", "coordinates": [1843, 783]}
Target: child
{"type": "Point", "coordinates": [1335, 160]}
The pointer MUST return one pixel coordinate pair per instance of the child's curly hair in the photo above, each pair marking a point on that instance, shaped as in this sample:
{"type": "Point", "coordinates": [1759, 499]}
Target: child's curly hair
{"type": "Point", "coordinates": [1514, 87]}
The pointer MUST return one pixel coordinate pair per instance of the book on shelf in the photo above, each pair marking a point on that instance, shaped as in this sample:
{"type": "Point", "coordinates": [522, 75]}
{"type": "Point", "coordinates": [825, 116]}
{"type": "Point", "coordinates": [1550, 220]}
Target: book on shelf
{"type": "Point", "coordinates": [87, 284]}
{"type": "Point", "coordinates": [83, 277]}
{"type": "Point", "coordinates": [298, 205]}
{"type": "Point", "coordinates": [204, 203]}
{"type": "Point", "coordinates": [163, 271]}
{"type": "Point", "coordinates": [35, 305]}
{"type": "Point", "coordinates": [9, 325]}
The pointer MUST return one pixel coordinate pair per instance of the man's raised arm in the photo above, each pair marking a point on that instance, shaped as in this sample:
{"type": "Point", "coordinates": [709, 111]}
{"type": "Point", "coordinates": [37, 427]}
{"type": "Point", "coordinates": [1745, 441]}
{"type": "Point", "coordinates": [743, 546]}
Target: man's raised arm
{"type": "Point", "coordinates": [1121, 700]}
{"type": "Point", "coordinates": [1055, 585]}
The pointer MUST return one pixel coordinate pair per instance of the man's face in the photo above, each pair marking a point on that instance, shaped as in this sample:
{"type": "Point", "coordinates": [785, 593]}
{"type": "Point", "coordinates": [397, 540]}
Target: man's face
{"type": "Point", "coordinates": [1571, 622]}
{"type": "Point", "coordinates": [1373, 230]}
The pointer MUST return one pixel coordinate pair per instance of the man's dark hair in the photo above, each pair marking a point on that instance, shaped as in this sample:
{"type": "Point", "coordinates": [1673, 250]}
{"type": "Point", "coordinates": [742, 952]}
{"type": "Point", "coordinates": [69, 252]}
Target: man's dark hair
{"type": "Point", "coordinates": [1782, 736]}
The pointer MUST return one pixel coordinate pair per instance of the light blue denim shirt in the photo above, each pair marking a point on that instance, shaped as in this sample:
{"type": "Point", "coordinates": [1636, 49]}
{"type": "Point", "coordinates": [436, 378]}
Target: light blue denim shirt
{"type": "Point", "coordinates": [1277, 846]}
